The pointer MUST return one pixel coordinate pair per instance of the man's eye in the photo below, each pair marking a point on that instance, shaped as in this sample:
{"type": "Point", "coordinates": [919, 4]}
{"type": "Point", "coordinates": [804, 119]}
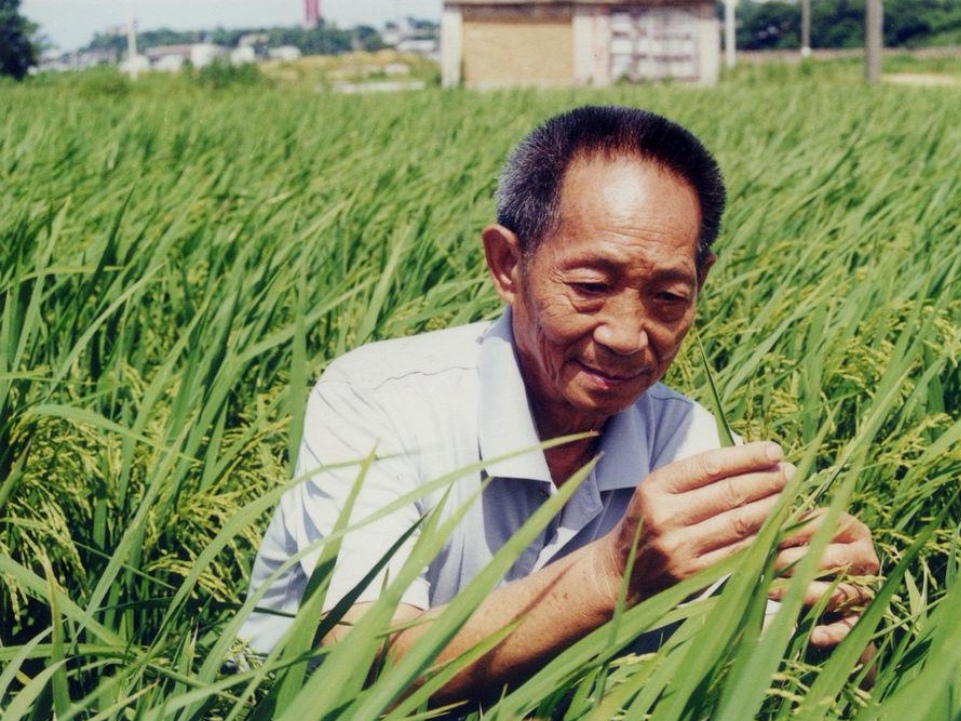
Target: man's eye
{"type": "Point", "coordinates": [672, 298]}
{"type": "Point", "coordinates": [589, 288]}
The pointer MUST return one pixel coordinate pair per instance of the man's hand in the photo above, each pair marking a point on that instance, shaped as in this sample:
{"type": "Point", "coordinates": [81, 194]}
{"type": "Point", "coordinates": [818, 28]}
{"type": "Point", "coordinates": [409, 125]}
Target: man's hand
{"type": "Point", "coordinates": [692, 513]}
{"type": "Point", "coordinates": [850, 554]}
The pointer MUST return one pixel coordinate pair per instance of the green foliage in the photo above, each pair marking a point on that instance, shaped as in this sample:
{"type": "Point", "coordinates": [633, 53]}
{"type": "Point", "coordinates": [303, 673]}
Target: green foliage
{"type": "Point", "coordinates": [323, 39]}
{"type": "Point", "coordinates": [221, 74]}
{"type": "Point", "coordinates": [319, 40]}
{"type": "Point", "coordinates": [837, 23]}
{"type": "Point", "coordinates": [101, 82]}
{"type": "Point", "coordinates": [113, 42]}
{"type": "Point", "coordinates": [367, 39]}
{"type": "Point", "coordinates": [175, 273]}
{"type": "Point", "coordinates": [840, 23]}
{"type": "Point", "coordinates": [770, 25]}
{"type": "Point", "coordinates": [916, 23]}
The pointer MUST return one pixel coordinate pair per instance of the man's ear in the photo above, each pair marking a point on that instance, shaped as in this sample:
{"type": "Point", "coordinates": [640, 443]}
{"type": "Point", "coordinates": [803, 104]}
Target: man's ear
{"type": "Point", "coordinates": [704, 268]}
{"type": "Point", "coordinates": [503, 253]}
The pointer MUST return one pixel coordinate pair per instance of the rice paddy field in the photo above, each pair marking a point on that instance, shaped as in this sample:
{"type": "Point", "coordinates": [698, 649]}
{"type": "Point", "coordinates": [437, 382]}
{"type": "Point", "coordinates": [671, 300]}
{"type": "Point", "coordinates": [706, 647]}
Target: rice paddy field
{"type": "Point", "coordinates": [179, 262]}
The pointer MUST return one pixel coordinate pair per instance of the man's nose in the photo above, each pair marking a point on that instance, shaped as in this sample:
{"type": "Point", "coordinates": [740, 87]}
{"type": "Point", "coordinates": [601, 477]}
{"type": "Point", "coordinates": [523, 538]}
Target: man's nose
{"type": "Point", "coordinates": [622, 329]}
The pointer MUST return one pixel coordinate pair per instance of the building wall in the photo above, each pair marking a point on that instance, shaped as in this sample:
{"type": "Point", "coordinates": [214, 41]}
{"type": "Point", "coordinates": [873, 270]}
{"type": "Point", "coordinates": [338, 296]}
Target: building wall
{"type": "Point", "coordinates": [710, 45]}
{"type": "Point", "coordinates": [508, 49]}
{"type": "Point", "coordinates": [451, 46]}
{"type": "Point", "coordinates": [592, 47]}
{"type": "Point", "coordinates": [585, 43]}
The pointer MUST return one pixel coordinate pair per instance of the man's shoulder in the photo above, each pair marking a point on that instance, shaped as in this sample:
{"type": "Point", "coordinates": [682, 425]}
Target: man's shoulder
{"type": "Point", "coordinates": [422, 355]}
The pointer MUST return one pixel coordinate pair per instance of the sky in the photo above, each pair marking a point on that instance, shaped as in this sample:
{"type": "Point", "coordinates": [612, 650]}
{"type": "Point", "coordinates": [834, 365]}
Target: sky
{"type": "Point", "coordinates": [71, 24]}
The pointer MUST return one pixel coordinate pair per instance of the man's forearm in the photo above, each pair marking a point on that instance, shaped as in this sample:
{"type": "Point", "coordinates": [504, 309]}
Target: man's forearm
{"type": "Point", "coordinates": [553, 607]}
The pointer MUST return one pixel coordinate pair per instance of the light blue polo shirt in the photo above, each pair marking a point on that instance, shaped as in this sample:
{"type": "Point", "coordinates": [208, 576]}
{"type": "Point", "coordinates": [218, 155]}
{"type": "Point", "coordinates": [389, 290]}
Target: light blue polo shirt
{"type": "Point", "coordinates": [431, 405]}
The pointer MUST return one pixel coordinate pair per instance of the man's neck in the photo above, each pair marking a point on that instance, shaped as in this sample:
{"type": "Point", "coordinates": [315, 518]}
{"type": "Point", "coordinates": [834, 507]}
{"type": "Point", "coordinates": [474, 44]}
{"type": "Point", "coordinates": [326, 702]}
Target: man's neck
{"type": "Point", "coordinates": [557, 422]}
{"type": "Point", "coordinates": [563, 461]}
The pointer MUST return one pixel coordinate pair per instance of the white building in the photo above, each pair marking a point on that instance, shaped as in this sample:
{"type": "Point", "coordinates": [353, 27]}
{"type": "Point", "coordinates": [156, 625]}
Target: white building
{"type": "Point", "coordinates": [243, 55]}
{"type": "Point", "coordinates": [286, 53]}
{"type": "Point", "coordinates": [204, 54]}
{"type": "Point", "coordinates": [492, 43]}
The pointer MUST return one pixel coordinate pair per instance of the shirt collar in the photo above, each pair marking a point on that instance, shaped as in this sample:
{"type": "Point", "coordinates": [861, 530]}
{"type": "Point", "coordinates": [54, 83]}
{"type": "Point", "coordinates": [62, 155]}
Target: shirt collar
{"type": "Point", "coordinates": [506, 425]}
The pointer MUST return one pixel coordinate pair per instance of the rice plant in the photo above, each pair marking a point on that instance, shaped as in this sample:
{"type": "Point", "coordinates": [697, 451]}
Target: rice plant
{"type": "Point", "coordinates": [176, 268]}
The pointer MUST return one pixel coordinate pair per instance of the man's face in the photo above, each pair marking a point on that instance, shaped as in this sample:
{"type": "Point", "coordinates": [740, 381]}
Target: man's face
{"type": "Point", "coordinates": [601, 308]}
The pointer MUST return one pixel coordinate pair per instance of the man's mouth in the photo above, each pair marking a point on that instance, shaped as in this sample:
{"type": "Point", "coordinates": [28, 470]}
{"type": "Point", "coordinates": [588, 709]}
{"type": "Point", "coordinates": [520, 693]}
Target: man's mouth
{"type": "Point", "coordinates": [614, 375]}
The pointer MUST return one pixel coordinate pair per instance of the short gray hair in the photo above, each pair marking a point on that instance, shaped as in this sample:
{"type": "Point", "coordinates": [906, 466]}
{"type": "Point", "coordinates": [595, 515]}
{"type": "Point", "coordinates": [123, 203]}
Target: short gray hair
{"type": "Point", "coordinates": [528, 192]}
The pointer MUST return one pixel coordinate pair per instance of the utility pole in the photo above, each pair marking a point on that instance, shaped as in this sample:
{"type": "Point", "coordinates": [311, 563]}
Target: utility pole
{"type": "Point", "coordinates": [131, 41]}
{"type": "Point", "coordinates": [873, 39]}
{"type": "Point", "coordinates": [729, 51]}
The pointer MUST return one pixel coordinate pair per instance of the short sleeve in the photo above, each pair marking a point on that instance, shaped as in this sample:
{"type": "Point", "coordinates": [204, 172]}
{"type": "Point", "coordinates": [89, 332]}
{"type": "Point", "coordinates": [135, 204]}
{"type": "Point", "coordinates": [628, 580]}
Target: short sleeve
{"type": "Point", "coordinates": [344, 425]}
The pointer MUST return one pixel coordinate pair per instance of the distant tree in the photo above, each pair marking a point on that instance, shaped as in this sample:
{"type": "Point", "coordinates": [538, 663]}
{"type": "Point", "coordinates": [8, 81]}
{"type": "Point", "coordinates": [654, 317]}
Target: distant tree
{"type": "Point", "coordinates": [368, 39]}
{"type": "Point", "coordinates": [166, 36]}
{"type": "Point", "coordinates": [230, 38]}
{"type": "Point", "coordinates": [837, 24]}
{"type": "Point", "coordinates": [921, 22]}
{"type": "Point", "coordinates": [17, 50]}
{"type": "Point", "coordinates": [318, 40]}
{"type": "Point", "coordinates": [116, 43]}
{"type": "Point", "coordinates": [776, 24]}
{"type": "Point", "coordinates": [424, 28]}
{"type": "Point", "coordinates": [773, 25]}
{"type": "Point", "coordinates": [110, 42]}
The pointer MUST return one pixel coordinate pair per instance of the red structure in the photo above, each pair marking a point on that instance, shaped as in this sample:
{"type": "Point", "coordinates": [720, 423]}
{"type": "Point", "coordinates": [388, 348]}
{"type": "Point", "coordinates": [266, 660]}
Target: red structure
{"type": "Point", "coordinates": [311, 12]}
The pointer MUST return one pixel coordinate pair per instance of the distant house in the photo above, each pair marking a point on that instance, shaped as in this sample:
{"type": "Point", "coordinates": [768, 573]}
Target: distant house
{"type": "Point", "coordinates": [494, 43]}
{"type": "Point", "coordinates": [284, 53]}
{"type": "Point", "coordinates": [168, 57]}
{"type": "Point", "coordinates": [204, 54]}
{"type": "Point", "coordinates": [135, 64]}
{"type": "Point", "coordinates": [418, 46]}
{"type": "Point", "coordinates": [407, 35]}
{"type": "Point", "coordinates": [243, 55]}
{"type": "Point", "coordinates": [174, 57]}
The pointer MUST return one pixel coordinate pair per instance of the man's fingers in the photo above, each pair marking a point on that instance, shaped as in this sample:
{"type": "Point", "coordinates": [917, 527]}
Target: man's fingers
{"type": "Point", "coordinates": [701, 509]}
{"type": "Point", "coordinates": [856, 561]}
{"type": "Point", "coordinates": [736, 492]}
{"type": "Point", "coordinates": [850, 550]}
{"type": "Point", "coordinates": [702, 560]}
{"type": "Point", "coordinates": [829, 635]}
{"type": "Point", "coordinates": [732, 527]}
{"type": "Point", "coordinates": [710, 466]}
{"type": "Point", "coordinates": [839, 597]}
{"type": "Point", "coordinates": [847, 596]}
{"type": "Point", "coordinates": [848, 529]}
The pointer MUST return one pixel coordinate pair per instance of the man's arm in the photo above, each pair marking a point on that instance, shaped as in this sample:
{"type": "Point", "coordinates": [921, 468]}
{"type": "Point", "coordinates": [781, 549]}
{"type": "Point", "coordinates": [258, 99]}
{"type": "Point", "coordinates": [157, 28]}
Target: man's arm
{"type": "Point", "coordinates": [686, 515]}
{"type": "Point", "coordinates": [556, 603]}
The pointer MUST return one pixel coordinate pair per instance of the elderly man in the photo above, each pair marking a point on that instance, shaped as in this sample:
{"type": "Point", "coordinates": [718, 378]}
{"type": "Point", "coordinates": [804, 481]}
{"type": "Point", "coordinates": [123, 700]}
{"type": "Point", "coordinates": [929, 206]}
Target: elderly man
{"type": "Point", "coordinates": [606, 217]}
